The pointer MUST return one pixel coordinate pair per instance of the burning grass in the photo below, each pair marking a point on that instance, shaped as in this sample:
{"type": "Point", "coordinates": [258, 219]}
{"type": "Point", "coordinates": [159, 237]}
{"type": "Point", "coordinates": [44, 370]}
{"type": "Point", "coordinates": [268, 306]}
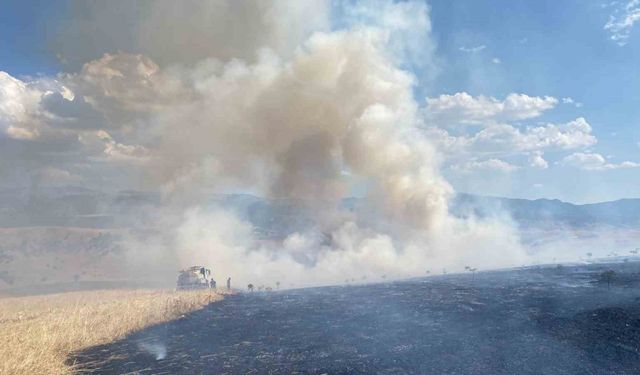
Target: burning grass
{"type": "Point", "coordinates": [39, 332]}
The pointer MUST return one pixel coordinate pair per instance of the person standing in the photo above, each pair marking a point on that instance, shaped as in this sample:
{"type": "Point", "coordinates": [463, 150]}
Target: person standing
{"type": "Point", "coordinates": [229, 283]}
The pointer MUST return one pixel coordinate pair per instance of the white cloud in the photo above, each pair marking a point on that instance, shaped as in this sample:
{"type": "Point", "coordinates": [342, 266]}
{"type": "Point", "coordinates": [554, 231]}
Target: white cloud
{"type": "Point", "coordinates": [495, 165]}
{"type": "Point", "coordinates": [594, 162]}
{"type": "Point", "coordinates": [462, 108]}
{"type": "Point", "coordinates": [508, 139]}
{"type": "Point", "coordinates": [496, 60]}
{"type": "Point", "coordinates": [18, 107]}
{"type": "Point", "coordinates": [42, 107]}
{"type": "Point", "coordinates": [473, 49]}
{"type": "Point", "coordinates": [56, 130]}
{"type": "Point", "coordinates": [622, 21]}
{"type": "Point", "coordinates": [574, 134]}
{"type": "Point", "coordinates": [537, 161]}
{"type": "Point", "coordinates": [497, 137]}
{"type": "Point", "coordinates": [570, 100]}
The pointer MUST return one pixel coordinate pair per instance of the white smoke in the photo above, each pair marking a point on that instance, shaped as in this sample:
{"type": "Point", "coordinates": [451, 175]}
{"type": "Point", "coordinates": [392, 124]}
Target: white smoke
{"type": "Point", "coordinates": [156, 349]}
{"type": "Point", "coordinates": [290, 113]}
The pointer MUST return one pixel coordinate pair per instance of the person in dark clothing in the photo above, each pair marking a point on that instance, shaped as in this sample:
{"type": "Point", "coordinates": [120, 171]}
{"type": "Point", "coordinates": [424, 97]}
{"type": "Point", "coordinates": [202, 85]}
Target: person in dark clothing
{"type": "Point", "coordinates": [229, 283]}
{"type": "Point", "coordinates": [212, 284]}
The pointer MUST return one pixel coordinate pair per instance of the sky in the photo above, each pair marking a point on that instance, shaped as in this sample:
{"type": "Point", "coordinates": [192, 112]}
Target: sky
{"type": "Point", "coordinates": [526, 99]}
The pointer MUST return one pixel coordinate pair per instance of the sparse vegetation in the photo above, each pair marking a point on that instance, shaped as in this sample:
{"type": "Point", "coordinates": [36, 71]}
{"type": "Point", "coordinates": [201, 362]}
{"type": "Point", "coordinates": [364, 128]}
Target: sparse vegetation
{"type": "Point", "coordinates": [39, 332]}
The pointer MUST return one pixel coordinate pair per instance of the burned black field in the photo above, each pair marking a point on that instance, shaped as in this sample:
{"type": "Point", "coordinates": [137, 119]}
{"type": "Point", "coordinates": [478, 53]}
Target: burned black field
{"type": "Point", "coordinates": [545, 320]}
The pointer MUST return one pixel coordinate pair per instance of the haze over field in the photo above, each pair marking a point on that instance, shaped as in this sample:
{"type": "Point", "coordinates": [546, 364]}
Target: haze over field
{"type": "Point", "coordinates": [243, 148]}
{"type": "Point", "coordinates": [87, 235]}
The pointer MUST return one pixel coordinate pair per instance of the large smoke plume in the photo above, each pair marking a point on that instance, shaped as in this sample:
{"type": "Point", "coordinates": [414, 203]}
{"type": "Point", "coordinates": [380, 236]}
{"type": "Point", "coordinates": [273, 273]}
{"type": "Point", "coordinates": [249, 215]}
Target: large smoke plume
{"type": "Point", "coordinates": [265, 97]}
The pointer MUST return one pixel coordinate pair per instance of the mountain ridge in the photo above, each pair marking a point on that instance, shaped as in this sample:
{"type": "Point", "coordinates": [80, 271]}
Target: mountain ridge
{"type": "Point", "coordinates": [83, 207]}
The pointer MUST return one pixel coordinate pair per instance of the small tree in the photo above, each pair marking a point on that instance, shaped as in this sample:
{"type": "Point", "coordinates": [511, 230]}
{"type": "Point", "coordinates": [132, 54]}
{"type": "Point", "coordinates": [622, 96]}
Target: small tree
{"type": "Point", "coordinates": [608, 276]}
{"type": "Point", "coordinates": [250, 287]}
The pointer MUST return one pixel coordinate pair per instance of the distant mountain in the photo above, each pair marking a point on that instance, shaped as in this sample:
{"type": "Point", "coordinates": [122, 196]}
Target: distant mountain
{"type": "Point", "coordinates": [85, 208]}
{"type": "Point", "coordinates": [551, 212]}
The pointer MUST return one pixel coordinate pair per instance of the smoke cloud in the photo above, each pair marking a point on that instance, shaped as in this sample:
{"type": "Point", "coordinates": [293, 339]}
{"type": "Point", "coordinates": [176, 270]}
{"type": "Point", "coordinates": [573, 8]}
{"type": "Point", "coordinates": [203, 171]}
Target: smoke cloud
{"type": "Point", "coordinates": [263, 97]}
{"type": "Point", "coordinates": [188, 31]}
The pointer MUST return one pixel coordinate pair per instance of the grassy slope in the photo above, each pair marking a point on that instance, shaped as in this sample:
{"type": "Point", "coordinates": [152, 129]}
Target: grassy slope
{"type": "Point", "coordinates": [39, 332]}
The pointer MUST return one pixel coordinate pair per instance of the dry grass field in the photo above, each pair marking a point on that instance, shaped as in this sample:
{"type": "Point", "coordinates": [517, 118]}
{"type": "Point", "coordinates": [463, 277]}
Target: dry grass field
{"type": "Point", "coordinates": [39, 332]}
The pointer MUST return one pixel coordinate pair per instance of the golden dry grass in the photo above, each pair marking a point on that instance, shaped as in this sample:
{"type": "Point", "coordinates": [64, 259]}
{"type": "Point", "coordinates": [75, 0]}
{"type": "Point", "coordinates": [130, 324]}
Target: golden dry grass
{"type": "Point", "coordinates": [38, 333]}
